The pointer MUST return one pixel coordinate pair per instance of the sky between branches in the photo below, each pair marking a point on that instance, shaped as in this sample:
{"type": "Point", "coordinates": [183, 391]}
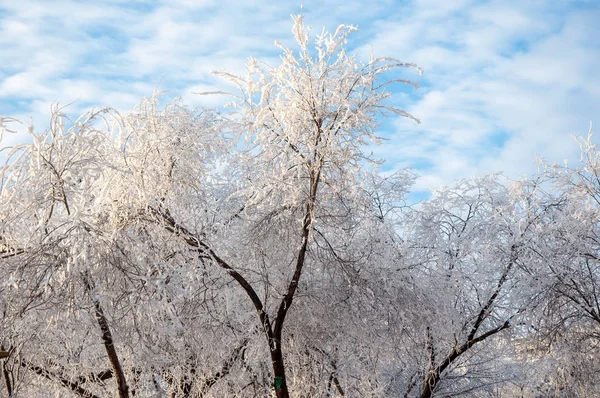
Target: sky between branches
{"type": "Point", "coordinates": [504, 81]}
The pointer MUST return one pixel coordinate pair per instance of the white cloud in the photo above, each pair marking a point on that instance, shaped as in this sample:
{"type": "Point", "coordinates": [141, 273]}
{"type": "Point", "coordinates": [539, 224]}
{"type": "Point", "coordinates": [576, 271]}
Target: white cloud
{"type": "Point", "coordinates": [504, 80]}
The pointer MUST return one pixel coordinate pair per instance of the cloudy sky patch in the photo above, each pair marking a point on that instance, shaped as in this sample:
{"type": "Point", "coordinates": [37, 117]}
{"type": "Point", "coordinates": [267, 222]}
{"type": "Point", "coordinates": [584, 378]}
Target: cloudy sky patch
{"type": "Point", "coordinates": [504, 81]}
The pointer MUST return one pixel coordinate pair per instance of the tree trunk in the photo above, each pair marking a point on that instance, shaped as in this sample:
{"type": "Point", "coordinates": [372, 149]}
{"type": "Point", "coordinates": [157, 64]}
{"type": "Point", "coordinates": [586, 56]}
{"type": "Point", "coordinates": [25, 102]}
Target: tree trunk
{"type": "Point", "coordinates": [280, 382]}
{"type": "Point", "coordinates": [429, 384]}
{"type": "Point", "coordinates": [111, 352]}
{"type": "Point", "coordinates": [7, 379]}
{"type": "Point", "coordinates": [434, 376]}
{"type": "Point", "coordinates": [107, 339]}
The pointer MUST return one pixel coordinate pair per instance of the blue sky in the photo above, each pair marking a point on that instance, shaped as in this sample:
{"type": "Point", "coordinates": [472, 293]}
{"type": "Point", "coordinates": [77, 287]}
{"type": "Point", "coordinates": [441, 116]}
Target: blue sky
{"type": "Point", "coordinates": [504, 81]}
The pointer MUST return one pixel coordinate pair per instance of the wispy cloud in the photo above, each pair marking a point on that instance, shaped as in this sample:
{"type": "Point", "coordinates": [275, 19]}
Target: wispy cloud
{"type": "Point", "coordinates": [504, 80]}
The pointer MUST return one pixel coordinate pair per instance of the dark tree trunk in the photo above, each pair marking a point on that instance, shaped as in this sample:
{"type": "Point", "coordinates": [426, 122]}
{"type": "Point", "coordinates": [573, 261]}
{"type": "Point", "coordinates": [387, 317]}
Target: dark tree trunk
{"type": "Point", "coordinates": [111, 352]}
{"type": "Point", "coordinates": [273, 332]}
{"type": "Point", "coordinates": [7, 380]}
{"type": "Point", "coordinates": [281, 390]}
{"type": "Point", "coordinates": [107, 339]}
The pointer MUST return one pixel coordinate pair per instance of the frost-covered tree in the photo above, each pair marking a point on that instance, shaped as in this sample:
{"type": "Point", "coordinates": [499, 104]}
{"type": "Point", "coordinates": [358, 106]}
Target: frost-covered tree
{"type": "Point", "coordinates": [181, 252]}
{"type": "Point", "coordinates": [155, 234]}
{"type": "Point", "coordinates": [570, 250]}
{"type": "Point", "coordinates": [80, 270]}
{"type": "Point", "coordinates": [466, 254]}
{"type": "Point", "coordinates": [305, 123]}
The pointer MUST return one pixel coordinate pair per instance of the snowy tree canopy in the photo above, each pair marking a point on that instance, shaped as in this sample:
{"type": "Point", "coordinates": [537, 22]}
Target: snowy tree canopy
{"type": "Point", "coordinates": [186, 252]}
